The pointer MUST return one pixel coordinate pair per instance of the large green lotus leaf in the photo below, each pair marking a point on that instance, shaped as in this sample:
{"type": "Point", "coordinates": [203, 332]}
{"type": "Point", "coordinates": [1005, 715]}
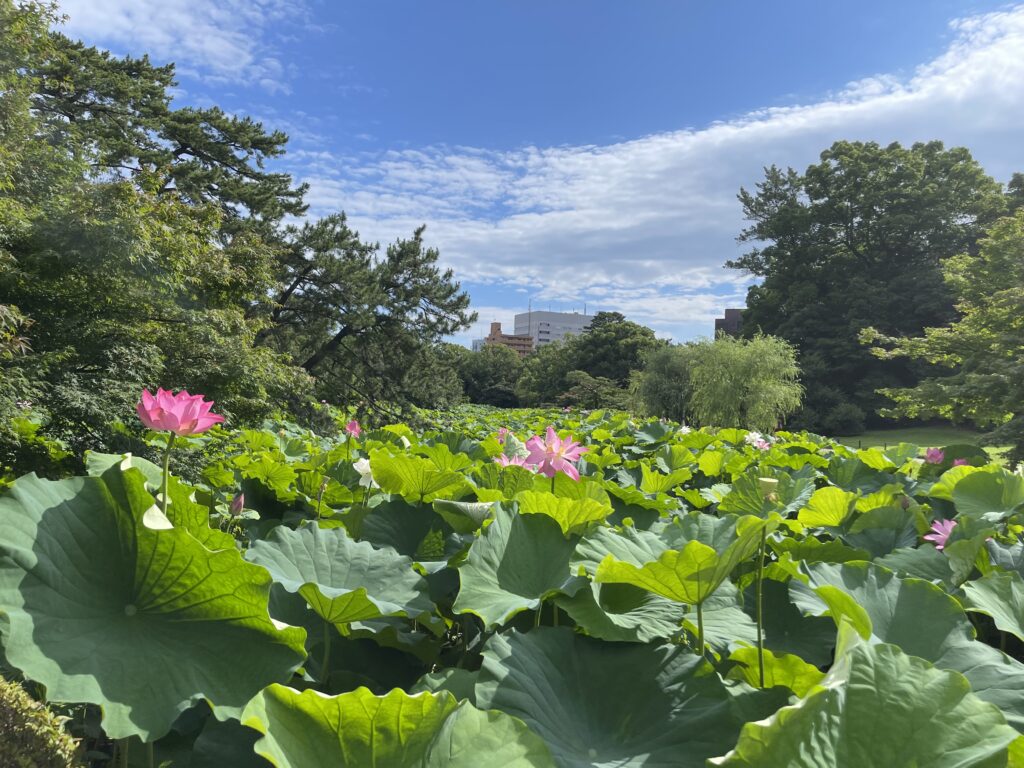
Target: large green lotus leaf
{"type": "Point", "coordinates": [470, 735]}
{"type": "Point", "coordinates": [517, 562]}
{"type": "Point", "coordinates": [852, 474]}
{"type": "Point", "coordinates": [272, 473]}
{"type": "Point", "coordinates": [827, 507]}
{"type": "Point", "coordinates": [655, 482]}
{"type": "Point", "coordinates": [105, 602]}
{"type": "Point", "coordinates": [813, 550]}
{"type": "Point", "coordinates": [1007, 557]}
{"type": "Point", "coordinates": [692, 573]}
{"type": "Point", "coordinates": [943, 487]}
{"type": "Point", "coordinates": [413, 530]}
{"type": "Point", "coordinates": [461, 683]}
{"type": "Point", "coordinates": [788, 630]}
{"type": "Point", "coordinates": [882, 530]}
{"type": "Point", "coordinates": [924, 562]}
{"type": "Point", "coordinates": [878, 707]}
{"type": "Point", "coordinates": [622, 612]}
{"type": "Point", "coordinates": [584, 488]}
{"type": "Point", "coordinates": [223, 744]}
{"type": "Point", "coordinates": [98, 463]}
{"type": "Point", "coordinates": [988, 496]}
{"type": "Point", "coordinates": [711, 463]}
{"type": "Point", "coordinates": [786, 670]}
{"type": "Point", "coordinates": [412, 477]}
{"type": "Point", "coordinates": [628, 545]}
{"type": "Point", "coordinates": [442, 457]}
{"type": "Point", "coordinates": [341, 579]}
{"type": "Point", "coordinates": [184, 512]}
{"type": "Point", "coordinates": [572, 515]}
{"type": "Point", "coordinates": [1001, 596]}
{"type": "Point", "coordinates": [358, 729]}
{"type": "Point", "coordinates": [921, 619]}
{"type": "Point", "coordinates": [726, 624]}
{"type": "Point", "coordinates": [747, 497]}
{"type": "Point", "coordinates": [608, 704]}
{"type": "Point", "coordinates": [726, 534]}
{"type": "Point", "coordinates": [463, 516]}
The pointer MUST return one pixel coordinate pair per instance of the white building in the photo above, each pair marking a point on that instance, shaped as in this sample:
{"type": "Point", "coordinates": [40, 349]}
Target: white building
{"type": "Point", "coordinates": [546, 327]}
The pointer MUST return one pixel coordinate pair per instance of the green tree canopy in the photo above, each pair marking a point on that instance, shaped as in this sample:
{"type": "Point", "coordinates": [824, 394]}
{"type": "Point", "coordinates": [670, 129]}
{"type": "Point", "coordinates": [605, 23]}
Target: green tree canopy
{"type": "Point", "coordinates": [983, 349]}
{"type": "Point", "coordinates": [490, 375]}
{"type": "Point", "coordinates": [726, 382]}
{"type": "Point", "coordinates": [143, 244]}
{"type": "Point", "coordinates": [858, 240]}
{"type": "Point", "coordinates": [611, 347]}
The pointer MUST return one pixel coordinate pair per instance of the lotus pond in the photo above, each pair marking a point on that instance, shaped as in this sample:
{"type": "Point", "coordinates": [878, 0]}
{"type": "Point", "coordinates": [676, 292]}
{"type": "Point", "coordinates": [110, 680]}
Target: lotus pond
{"type": "Point", "coordinates": [458, 597]}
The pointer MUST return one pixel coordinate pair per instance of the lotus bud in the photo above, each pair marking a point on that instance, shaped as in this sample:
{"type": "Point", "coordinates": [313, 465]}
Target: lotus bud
{"type": "Point", "coordinates": [237, 505]}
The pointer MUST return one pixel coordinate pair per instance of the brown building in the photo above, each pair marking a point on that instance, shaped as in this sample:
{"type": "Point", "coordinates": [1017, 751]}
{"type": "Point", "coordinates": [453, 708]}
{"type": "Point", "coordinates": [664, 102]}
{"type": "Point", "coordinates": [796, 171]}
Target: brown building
{"type": "Point", "coordinates": [521, 344]}
{"type": "Point", "coordinates": [731, 323]}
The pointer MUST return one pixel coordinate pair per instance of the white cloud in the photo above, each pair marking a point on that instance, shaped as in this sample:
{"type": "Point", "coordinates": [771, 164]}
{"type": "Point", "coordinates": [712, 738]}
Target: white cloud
{"type": "Point", "coordinates": [217, 41]}
{"type": "Point", "coordinates": [644, 226]}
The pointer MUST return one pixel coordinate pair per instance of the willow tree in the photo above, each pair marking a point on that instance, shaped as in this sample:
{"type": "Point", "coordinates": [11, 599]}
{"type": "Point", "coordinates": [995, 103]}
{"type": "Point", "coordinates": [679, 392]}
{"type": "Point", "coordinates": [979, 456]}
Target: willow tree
{"type": "Point", "coordinates": [726, 382]}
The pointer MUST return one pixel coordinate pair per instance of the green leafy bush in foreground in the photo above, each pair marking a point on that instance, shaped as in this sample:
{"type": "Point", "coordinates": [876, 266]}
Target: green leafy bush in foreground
{"type": "Point", "coordinates": [392, 598]}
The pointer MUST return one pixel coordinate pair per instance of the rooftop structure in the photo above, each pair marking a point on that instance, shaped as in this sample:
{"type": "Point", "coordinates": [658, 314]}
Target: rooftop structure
{"type": "Point", "coordinates": [519, 343]}
{"type": "Point", "coordinates": [546, 327]}
{"type": "Point", "coordinates": [731, 323]}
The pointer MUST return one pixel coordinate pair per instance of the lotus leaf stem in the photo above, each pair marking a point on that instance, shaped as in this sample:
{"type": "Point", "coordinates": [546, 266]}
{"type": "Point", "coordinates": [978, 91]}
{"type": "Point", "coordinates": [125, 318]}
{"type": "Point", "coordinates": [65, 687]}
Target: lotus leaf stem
{"type": "Point", "coordinates": [700, 627]}
{"type": "Point", "coordinates": [328, 629]}
{"type": "Point", "coordinates": [760, 623]}
{"type": "Point", "coordinates": [167, 473]}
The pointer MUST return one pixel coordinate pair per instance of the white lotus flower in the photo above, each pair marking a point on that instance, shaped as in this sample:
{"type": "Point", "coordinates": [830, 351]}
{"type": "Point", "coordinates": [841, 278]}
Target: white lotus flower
{"type": "Point", "coordinates": [365, 474]}
{"type": "Point", "coordinates": [753, 437]}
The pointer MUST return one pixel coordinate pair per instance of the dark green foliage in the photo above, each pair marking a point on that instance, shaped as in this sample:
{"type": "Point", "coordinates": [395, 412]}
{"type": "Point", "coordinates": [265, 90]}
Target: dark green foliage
{"type": "Point", "coordinates": [605, 354]}
{"type": "Point", "coordinates": [358, 322]}
{"type": "Point", "coordinates": [662, 386]}
{"type": "Point", "coordinates": [586, 391]}
{"type": "Point", "coordinates": [30, 735]}
{"type": "Point", "coordinates": [746, 383]}
{"type": "Point", "coordinates": [612, 347]}
{"type": "Point", "coordinates": [858, 240]}
{"type": "Point", "coordinates": [144, 245]}
{"type": "Point", "coordinates": [980, 355]}
{"type": "Point", "coordinates": [489, 376]}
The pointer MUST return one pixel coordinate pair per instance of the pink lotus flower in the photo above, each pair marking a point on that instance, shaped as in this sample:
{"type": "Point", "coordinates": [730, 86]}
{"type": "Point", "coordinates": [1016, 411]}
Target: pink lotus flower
{"type": "Point", "coordinates": [934, 456]}
{"type": "Point", "coordinates": [960, 462]}
{"type": "Point", "coordinates": [502, 434]}
{"type": "Point", "coordinates": [762, 445]}
{"type": "Point", "coordinates": [940, 532]}
{"type": "Point", "coordinates": [353, 428]}
{"type": "Point", "coordinates": [514, 461]}
{"type": "Point", "coordinates": [181, 414]}
{"type": "Point", "coordinates": [553, 455]}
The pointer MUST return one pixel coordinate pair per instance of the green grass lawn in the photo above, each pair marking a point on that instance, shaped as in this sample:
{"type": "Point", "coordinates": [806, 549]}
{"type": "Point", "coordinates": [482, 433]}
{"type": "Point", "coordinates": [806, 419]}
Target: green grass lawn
{"type": "Point", "coordinates": [926, 437]}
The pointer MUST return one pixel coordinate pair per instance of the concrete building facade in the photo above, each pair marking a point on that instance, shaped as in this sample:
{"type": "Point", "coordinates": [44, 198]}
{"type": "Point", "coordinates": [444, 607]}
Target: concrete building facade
{"type": "Point", "coordinates": [516, 342]}
{"type": "Point", "coordinates": [546, 327]}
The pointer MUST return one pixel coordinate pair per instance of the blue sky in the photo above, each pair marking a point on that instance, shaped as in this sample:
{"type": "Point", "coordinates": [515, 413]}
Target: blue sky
{"type": "Point", "coordinates": [581, 150]}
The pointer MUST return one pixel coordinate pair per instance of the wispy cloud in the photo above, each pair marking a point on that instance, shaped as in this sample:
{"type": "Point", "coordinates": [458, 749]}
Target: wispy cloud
{"type": "Point", "coordinates": [647, 224]}
{"type": "Point", "coordinates": [216, 41]}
